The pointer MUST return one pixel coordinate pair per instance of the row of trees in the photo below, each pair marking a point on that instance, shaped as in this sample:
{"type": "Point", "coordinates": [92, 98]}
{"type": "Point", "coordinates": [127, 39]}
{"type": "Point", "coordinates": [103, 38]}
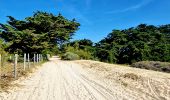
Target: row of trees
{"type": "Point", "coordinates": [41, 33]}
{"type": "Point", "coordinates": [141, 43]}
{"type": "Point", "coordinates": [48, 33]}
{"type": "Point", "coordinates": [144, 42]}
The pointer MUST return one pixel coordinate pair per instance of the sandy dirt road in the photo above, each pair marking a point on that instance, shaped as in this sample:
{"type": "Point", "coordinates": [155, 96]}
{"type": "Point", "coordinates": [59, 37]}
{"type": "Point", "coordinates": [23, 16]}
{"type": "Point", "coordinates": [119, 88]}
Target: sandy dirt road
{"type": "Point", "coordinates": [64, 80]}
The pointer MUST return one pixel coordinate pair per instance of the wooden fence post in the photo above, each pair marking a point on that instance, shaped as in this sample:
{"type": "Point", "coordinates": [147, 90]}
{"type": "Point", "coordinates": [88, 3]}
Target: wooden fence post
{"type": "Point", "coordinates": [15, 65]}
{"type": "Point", "coordinates": [34, 59]}
{"type": "Point", "coordinates": [25, 60]}
{"type": "Point", "coordinates": [40, 57]}
{"type": "Point", "coordinates": [37, 58]}
{"type": "Point", "coordinates": [28, 60]}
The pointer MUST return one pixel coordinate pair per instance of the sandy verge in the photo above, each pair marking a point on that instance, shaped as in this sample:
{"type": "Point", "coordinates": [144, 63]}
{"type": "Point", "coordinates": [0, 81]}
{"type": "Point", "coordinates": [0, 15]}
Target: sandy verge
{"type": "Point", "coordinates": [91, 80]}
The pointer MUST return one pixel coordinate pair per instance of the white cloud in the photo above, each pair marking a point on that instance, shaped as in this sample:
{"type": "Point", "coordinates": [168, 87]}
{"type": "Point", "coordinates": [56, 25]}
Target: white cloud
{"type": "Point", "coordinates": [135, 7]}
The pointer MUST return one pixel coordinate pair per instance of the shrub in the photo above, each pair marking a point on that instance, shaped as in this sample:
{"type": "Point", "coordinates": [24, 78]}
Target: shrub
{"type": "Point", "coordinates": [153, 65]}
{"type": "Point", "coordinates": [83, 54]}
{"type": "Point", "coordinates": [70, 56]}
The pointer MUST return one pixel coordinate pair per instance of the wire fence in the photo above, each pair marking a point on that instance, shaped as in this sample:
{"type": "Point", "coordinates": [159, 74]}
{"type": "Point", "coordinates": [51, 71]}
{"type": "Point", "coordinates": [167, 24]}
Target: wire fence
{"type": "Point", "coordinates": [13, 66]}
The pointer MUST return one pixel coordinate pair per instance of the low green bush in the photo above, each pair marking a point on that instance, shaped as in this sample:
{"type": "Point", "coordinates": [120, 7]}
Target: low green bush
{"type": "Point", "coordinates": [70, 56]}
{"type": "Point", "coordinates": [153, 65]}
{"type": "Point", "coordinates": [83, 54]}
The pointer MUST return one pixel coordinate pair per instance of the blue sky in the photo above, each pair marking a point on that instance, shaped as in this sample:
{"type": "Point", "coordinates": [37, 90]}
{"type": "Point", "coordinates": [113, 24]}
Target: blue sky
{"type": "Point", "coordinates": [97, 17]}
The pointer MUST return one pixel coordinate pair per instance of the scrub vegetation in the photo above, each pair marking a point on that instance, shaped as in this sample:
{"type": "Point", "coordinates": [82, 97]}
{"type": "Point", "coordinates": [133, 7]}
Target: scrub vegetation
{"type": "Point", "coordinates": [47, 33]}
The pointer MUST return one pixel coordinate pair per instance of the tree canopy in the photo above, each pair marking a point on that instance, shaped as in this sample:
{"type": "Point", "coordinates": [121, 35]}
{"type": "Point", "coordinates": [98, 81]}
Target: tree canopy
{"type": "Point", "coordinates": [144, 42]}
{"type": "Point", "coordinates": [40, 32]}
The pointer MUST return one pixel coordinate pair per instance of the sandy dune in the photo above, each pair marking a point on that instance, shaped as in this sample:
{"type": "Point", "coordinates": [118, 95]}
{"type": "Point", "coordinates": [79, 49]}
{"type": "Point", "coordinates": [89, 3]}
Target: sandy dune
{"type": "Point", "coordinates": [90, 80]}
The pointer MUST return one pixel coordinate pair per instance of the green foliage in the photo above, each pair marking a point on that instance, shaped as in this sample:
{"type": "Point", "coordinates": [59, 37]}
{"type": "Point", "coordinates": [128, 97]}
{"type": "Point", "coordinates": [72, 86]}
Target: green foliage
{"type": "Point", "coordinates": [70, 56]}
{"type": "Point", "coordinates": [83, 54]}
{"type": "Point", "coordinates": [38, 33]}
{"type": "Point", "coordinates": [84, 48]}
{"type": "Point", "coordinates": [3, 45]}
{"type": "Point", "coordinates": [144, 42]}
{"type": "Point", "coordinates": [48, 33]}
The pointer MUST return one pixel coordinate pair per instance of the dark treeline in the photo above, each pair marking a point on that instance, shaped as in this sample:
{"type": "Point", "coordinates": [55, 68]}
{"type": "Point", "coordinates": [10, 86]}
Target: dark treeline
{"type": "Point", "coordinates": [144, 42]}
{"type": "Point", "coordinates": [141, 43]}
{"type": "Point", "coordinates": [48, 33]}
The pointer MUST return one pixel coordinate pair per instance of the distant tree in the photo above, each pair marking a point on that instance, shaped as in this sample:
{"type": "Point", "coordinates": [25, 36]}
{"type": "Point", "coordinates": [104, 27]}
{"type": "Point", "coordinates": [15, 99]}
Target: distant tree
{"type": "Point", "coordinates": [84, 48]}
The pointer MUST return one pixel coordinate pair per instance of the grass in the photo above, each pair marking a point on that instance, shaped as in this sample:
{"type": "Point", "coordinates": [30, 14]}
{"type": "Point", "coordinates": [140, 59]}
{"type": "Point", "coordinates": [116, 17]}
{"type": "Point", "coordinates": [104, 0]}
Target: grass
{"type": "Point", "coordinates": [7, 76]}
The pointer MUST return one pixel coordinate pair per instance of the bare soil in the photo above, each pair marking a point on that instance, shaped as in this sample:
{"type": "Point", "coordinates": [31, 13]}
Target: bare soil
{"type": "Point", "coordinates": [90, 80]}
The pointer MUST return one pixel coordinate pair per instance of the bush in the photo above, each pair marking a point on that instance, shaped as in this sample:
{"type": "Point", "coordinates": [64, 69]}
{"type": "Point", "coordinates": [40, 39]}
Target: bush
{"type": "Point", "coordinates": [153, 65]}
{"type": "Point", "coordinates": [83, 54]}
{"type": "Point", "coordinates": [70, 56]}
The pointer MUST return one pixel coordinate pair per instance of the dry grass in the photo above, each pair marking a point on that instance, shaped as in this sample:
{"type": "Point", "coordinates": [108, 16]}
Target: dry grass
{"type": "Point", "coordinates": [153, 65]}
{"type": "Point", "coordinates": [131, 76]}
{"type": "Point", "coordinates": [7, 76]}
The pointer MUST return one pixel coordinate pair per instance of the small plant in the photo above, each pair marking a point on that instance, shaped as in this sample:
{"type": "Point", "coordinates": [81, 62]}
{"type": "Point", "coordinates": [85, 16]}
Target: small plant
{"type": "Point", "coordinates": [131, 76]}
{"type": "Point", "coordinates": [70, 56]}
{"type": "Point", "coordinates": [124, 84]}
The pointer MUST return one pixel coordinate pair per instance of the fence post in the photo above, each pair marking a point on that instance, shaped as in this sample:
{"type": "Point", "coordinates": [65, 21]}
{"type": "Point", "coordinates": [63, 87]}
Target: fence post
{"type": "Point", "coordinates": [34, 59]}
{"type": "Point", "coordinates": [37, 58]}
{"type": "Point", "coordinates": [15, 65]}
{"type": "Point", "coordinates": [24, 60]}
{"type": "Point", "coordinates": [40, 57]}
{"type": "Point", "coordinates": [28, 60]}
